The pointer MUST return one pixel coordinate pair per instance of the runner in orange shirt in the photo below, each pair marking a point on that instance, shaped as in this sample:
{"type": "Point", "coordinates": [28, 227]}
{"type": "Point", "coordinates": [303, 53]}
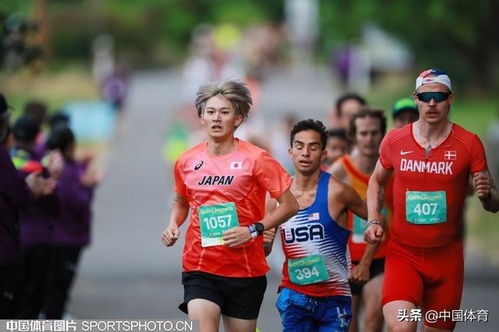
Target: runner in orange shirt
{"type": "Point", "coordinates": [224, 181]}
{"type": "Point", "coordinates": [431, 161]}
{"type": "Point", "coordinates": [367, 128]}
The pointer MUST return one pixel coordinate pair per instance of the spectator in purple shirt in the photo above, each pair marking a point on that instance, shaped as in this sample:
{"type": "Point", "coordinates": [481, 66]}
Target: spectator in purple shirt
{"type": "Point", "coordinates": [15, 195]}
{"type": "Point", "coordinates": [36, 221]}
{"type": "Point", "coordinates": [72, 227]}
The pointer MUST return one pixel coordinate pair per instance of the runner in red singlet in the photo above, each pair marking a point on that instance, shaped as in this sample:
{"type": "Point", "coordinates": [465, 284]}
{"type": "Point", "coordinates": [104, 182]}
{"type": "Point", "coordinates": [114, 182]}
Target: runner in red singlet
{"type": "Point", "coordinates": [431, 160]}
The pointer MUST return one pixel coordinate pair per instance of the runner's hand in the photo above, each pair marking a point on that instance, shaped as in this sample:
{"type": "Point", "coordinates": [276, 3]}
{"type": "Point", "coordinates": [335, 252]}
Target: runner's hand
{"type": "Point", "coordinates": [359, 274]}
{"type": "Point", "coordinates": [170, 235]}
{"type": "Point", "coordinates": [236, 236]}
{"type": "Point", "coordinates": [268, 236]}
{"type": "Point", "coordinates": [481, 183]}
{"type": "Point", "coordinates": [373, 234]}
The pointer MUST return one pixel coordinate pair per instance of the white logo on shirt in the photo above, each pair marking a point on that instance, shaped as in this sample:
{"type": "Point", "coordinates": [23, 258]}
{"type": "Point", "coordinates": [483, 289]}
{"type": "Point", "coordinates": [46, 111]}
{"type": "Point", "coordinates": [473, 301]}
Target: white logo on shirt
{"type": "Point", "coordinates": [403, 153]}
{"type": "Point", "coordinates": [441, 167]}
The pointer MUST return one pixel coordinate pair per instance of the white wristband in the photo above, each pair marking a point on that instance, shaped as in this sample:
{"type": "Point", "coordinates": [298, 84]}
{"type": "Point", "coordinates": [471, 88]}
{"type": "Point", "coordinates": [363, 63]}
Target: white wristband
{"type": "Point", "coordinates": [252, 230]}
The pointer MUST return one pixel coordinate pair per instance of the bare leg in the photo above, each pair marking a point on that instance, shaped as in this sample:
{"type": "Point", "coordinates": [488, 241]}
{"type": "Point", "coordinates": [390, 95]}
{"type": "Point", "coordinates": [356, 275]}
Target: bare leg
{"type": "Point", "coordinates": [206, 312]}
{"type": "Point", "coordinates": [356, 302]}
{"type": "Point", "coordinates": [391, 313]}
{"type": "Point", "coordinates": [232, 324]}
{"type": "Point", "coordinates": [373, 313]}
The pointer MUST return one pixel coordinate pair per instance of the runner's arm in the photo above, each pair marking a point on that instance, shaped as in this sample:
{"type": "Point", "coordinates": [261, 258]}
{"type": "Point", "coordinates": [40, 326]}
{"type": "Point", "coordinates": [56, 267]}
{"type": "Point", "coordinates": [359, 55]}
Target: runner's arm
{"type": "Point", "coordinates": [375, 200]}
{"type": "Point", "coordinates": [268, 240]}
{"type": "Point", "coordinates": [288, 207]}
{"type": "Point", "coordinates": [269, 235]}
{"type": "Point", "coordinates": [486, 190]}
{"type": "Point", "coordinates": [178, 214]}
{"type": "Point", "coordinates": [359, 274]}
{"type": "Point", "coordinates": [353, 202]}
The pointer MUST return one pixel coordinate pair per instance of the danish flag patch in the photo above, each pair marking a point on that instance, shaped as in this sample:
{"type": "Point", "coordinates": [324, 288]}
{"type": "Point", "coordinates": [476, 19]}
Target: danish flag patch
{"type": "Point", "coordinates": [450, 155]}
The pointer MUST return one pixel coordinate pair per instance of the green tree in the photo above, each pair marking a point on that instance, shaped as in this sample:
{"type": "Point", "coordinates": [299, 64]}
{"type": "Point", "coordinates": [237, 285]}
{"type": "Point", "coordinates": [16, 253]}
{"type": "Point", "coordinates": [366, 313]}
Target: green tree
{"type": "Point", "coordinates": [459, 36]}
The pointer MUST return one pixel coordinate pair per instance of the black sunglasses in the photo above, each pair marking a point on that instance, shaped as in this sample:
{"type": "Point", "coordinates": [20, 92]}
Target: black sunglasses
{"type": "Point", "coordinates": [428, 96]}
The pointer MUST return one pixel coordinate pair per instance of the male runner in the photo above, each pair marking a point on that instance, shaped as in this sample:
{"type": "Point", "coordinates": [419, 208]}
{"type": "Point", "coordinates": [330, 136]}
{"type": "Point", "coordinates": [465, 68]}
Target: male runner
{"type": "Point", "coordinates": [224, 180]}
{"type": "Point", "coordinates": [346, 106]}
{"type": "Point", "coordinates": [404, 111]}
{"type": "Point", "coordinates": [431, 161]}
{"type": "Point", "coordinates": [367, 129]}
{"type": "Point", "coordinates": [337, 145]}
{"type": "Point", "coordinates": [314, 292]}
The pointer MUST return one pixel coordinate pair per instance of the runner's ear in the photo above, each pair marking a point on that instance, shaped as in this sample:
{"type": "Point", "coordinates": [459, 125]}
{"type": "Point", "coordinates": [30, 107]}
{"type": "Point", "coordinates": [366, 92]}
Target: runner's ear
{"type": "Point", "coordinates": [323, 155]}
{"type": "Point", "coordinates": [239, 120]}
{"type": "Point", "coordinates": [202, 120]}
{"type": "Point", "coordinates": [451, 98]}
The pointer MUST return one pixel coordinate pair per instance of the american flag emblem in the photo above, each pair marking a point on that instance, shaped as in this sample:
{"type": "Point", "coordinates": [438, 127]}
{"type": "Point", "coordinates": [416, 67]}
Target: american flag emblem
{"type": "Point", "coordinates": [450, 155]}
{"type": "Point", "coordinates": [236, 165]}
{"type": "Point", "coordinates": [314, 216]}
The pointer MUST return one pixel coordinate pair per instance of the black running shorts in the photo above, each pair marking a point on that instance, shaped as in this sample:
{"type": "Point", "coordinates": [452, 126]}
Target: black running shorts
{"type": "Point", "coordinates": [237, 297]}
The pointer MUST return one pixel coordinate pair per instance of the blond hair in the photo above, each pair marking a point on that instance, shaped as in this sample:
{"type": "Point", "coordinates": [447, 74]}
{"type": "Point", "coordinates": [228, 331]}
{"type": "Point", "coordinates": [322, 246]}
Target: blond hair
{"type": "Point", "coordinates": [235, 91]}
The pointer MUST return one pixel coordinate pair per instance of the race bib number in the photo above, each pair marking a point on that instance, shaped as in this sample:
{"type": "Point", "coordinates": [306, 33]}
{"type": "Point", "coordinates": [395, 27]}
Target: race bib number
{"type": "Point", "coordinates": [214, 220]}
{"type": "Point", "coordinates": [307, 270]}
{"type": "Point", "coordinates": [425, 207]}
{"type": "Point", "coordinates": [360, 225]}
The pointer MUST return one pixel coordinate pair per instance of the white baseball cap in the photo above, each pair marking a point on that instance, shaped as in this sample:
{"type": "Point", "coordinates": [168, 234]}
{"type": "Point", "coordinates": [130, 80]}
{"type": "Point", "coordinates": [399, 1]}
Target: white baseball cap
{"type": "Point", "coordinates": [433, 76]}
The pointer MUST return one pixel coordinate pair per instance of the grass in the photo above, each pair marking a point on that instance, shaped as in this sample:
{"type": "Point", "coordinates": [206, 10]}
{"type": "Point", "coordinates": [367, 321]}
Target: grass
{"type": "Point", "coordinates": [475, 115]}
{"type": "Point", "coordinates": [482, 230]}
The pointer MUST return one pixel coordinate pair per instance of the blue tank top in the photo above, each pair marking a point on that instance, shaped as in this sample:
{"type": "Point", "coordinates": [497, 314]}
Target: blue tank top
{"type": "Point", "coordinates": [313, 231]}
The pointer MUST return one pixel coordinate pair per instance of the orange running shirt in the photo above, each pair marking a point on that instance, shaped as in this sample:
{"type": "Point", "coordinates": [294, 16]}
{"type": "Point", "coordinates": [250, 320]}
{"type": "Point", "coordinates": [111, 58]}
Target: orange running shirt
{"type": "Point", "coordinates": [429, 189]}
{"type": "Point", "coordinates": [242, 177]}
{"type": "Point", "coordinates": [359, 181]}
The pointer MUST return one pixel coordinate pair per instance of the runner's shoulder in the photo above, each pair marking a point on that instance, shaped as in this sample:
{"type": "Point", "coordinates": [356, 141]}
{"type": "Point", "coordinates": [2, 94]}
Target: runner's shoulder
{"type": "Point", "coordinates": [259, 156]}
{"type": "Point", "coordinates": [337, 186]}
{"type": "Point", "coordinates": [192, 151]}
{"type": "Point", "coordinates": [466, 137]}
{"type": "Point", "coordinates": [338, 169]}
{"type": "Point", "coordinates": [246, 147]}
{"type": "Point", "coordinates": [396, 134]}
